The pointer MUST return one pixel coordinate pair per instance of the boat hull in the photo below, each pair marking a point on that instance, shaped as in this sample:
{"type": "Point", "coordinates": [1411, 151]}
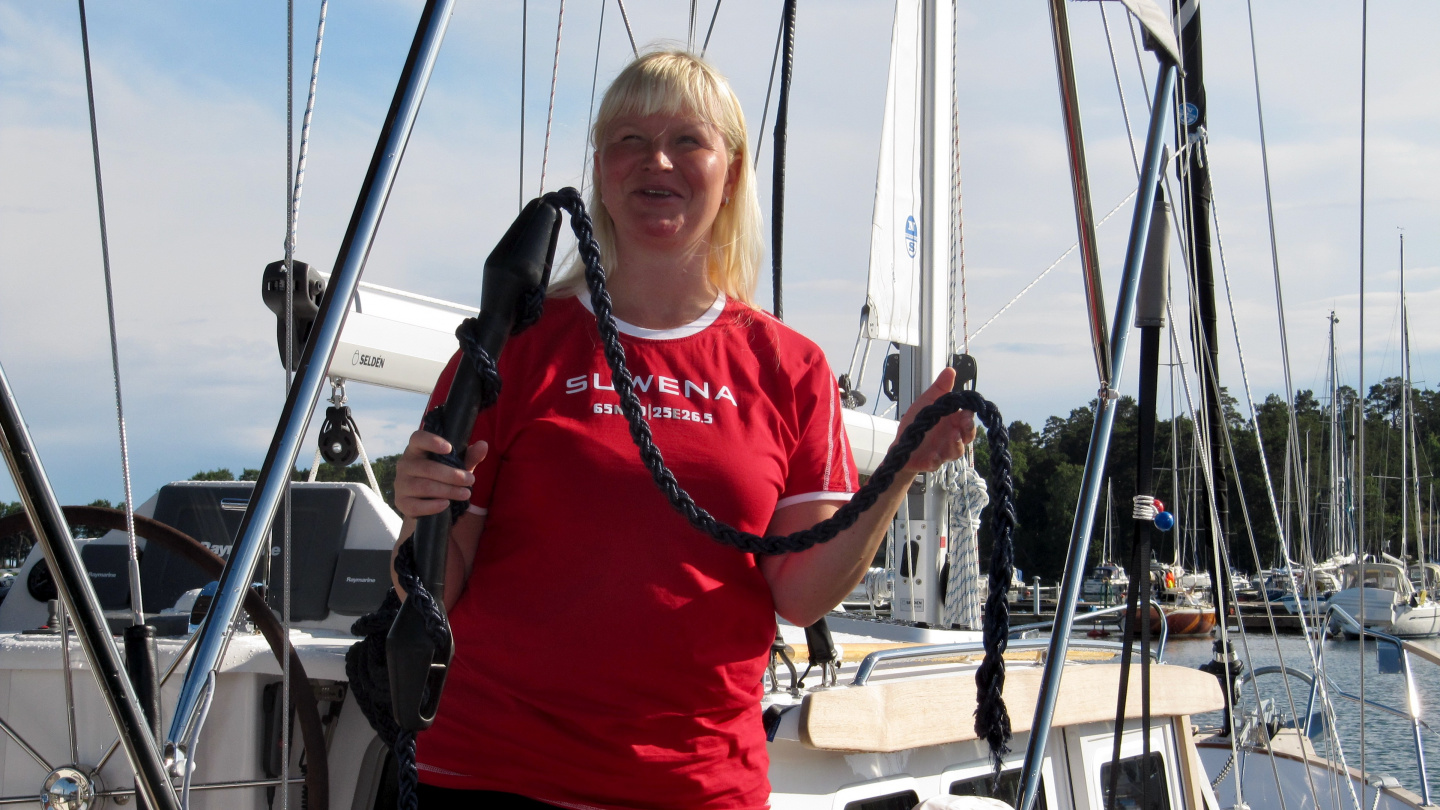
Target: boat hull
{"type": "Point", "coordinates": [1387, 612]}
{"type": "Point", "coordinates": [1182, 622]}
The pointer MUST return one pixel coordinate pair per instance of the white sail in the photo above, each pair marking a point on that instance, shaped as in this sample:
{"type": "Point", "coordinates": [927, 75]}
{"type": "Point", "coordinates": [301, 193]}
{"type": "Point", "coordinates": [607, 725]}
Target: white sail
{"type": "Point", "coordinates": [910, 256]}
{"type": "Point", "coordinates": [893, 296]}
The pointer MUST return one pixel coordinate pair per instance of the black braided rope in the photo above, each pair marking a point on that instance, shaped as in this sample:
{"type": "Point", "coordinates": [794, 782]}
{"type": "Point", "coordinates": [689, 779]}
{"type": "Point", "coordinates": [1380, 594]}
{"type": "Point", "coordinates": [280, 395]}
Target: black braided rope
{"type": "Point", "coordinates": [366, 667]}
{"type": "Point", "coordinates": [489, 373]}
{"type": "Point", "coordinates": [992, 718]}
{"type": "Point", "coordinates": [992, 721]}
{"type": "Point", "coordinates": [365, 662]}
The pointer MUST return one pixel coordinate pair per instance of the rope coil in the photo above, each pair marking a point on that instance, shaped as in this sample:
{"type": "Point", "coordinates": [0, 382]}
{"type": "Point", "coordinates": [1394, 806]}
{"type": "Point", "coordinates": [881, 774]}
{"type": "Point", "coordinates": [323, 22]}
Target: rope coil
{"type": "Point", "coordinates": [992, 721]}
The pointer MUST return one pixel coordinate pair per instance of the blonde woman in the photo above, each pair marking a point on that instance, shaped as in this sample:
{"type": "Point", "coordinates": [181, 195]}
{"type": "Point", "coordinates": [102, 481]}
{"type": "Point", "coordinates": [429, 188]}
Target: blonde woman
{"type": "Point", "coordinates": [607, 654]}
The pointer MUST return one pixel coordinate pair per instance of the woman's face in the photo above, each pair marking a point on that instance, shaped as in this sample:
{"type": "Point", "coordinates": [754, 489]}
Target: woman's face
{"type": "Point", "coordinates": [663, 179]}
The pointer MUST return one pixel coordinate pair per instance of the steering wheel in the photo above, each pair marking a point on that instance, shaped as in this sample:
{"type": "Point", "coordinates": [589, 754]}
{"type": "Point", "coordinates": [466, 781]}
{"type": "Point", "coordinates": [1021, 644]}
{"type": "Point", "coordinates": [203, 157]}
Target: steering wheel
{"type": "Point", "coordinates": [317, 777]}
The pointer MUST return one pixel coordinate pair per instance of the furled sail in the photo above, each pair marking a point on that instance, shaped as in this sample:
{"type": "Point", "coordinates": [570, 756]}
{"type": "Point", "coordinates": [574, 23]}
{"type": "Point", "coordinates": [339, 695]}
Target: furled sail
{"type": "Point", "coordinates": [894, 288]}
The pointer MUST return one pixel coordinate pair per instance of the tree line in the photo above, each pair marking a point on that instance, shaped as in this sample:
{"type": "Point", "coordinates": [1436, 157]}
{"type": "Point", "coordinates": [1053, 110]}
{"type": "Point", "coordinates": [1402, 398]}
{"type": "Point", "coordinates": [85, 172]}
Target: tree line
{"type": "Point", "coordinates": [1049, 462]}
{"type": "Point", "coordinates": [16, 547]}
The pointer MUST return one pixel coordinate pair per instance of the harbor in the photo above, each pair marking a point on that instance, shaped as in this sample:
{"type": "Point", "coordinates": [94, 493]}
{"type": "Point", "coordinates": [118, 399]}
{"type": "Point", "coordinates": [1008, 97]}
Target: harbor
{"type": "Point", "coordinates": [1253, 616]}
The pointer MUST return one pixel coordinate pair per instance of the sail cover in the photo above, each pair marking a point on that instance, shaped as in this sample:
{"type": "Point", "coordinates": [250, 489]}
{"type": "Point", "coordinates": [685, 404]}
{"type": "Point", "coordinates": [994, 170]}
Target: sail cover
{"type": "Point", "coordinates": [1157, 24]}
{"type": "Point", "coordinates": [896, 246]}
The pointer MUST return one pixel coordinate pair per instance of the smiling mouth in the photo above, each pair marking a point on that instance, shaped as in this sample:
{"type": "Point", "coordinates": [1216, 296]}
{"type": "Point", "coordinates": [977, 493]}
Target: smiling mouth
{"type": "Point", "coordinates": [656, 193]}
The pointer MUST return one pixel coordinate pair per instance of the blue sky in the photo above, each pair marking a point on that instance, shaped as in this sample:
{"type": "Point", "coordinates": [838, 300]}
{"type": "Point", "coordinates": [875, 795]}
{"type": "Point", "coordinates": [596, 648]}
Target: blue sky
{"type": "Point", "coordinates": [192, 126]}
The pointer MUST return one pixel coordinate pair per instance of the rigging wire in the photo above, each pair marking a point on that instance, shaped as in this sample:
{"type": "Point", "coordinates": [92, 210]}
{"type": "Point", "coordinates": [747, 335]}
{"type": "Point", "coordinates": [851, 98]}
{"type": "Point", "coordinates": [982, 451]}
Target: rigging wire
{"type": "Point", "coordinates": [292, 233]}
{"type": "Point", "coordinates": [1202, 448]}
{"type": "Point", "coordinates": [769, 88]}
{"type": "Point", "coordinates": [1265, 475]}
{"type": "Point", "coordinates": [957, 214]}
{"type": "Point", "coordinates": [1139, 63]}
{"type": "Point", "coordinates": [1119, 89]}
{"type": "Point", "coordinates": [1197, 143]}
{"type": "Point", "coordinates": [524, 42]}
{"type": "Point", "coordinates": [708, 31]}
{"type": "Point", "coordinates": [290, 181]}
{"type": "Point", "coordinates": [625, 18]}
{"type": "Point", "coordinates": [136, 603]}
{"type": "Point", "coordinates": [1294, 433]}
{"type": "Point", "coordinates": [590, 115]}
{"type": "Point", "coordinates": [777, 198]}
{"type": "Point", "coordinates": [550, 114]}
{"type": "Point", "coordinates": [1211, 419]}
{"type": "Point", "coordinates": [690, 39]}
{"type": "Point", "coordinates": [1052, 266]}
{"type": "Point", "coordinates": [1360, 383]}
{"type": "Point", "coordinates": [305, 127]}
{"type": "Point", "coordinates": [194, 737]}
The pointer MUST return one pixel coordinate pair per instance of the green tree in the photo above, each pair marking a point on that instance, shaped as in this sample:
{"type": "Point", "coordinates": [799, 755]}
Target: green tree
{"type": "Point", "coordinates": [384, 468]}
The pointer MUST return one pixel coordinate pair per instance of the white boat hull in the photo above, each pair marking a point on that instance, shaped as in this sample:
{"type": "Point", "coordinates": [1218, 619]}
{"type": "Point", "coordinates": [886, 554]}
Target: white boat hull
{"type": "Point", "coordinates": [1386, 612]}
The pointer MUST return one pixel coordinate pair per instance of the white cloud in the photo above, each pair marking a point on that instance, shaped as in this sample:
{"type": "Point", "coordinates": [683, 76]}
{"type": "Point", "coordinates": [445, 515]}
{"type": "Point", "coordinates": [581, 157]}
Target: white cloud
{"type": "Point", "coordinates": [192, 126]}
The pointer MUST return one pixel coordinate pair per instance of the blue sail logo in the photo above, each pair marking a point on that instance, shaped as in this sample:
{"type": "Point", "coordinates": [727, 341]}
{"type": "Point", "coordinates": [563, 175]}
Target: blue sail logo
{"type": "Point", "coordinates": [912, 234]}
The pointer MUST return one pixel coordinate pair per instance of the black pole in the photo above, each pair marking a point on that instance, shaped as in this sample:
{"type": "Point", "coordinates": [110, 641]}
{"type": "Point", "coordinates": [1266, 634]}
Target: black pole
{"type": "Point", "coordinates": [1144, 527]}
{"type": "Point", "coordinates": [141, 664]}
{"type": "Point", "coordinates": [1150, 318]}
{"type": "Point", "coordinates": [516, 274]}
{"type": "Point", "coordinates": [782, 121]}
{"type": "Point", "coordinates": [53, 535]}
{"type": "Point", "coordinates": [1137, 608]}
{"type": "Point", "coordinates": [1194, 175]}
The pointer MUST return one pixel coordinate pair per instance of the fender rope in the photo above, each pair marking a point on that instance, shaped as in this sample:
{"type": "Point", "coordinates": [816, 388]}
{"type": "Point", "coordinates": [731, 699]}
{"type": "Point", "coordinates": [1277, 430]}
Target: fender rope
{"type": "Point", "coordinates": [366, 659]}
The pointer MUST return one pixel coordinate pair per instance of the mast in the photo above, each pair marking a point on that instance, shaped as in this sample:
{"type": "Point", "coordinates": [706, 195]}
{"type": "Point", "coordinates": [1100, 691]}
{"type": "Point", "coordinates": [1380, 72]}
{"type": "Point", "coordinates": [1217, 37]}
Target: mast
{"type": "Point", "coordinates": [1160, 38]}
{"type": "Point", "coordinates": [1309, 537]}
{"type": "Point", "coordinates": [1109, 508]}
{"type": "Point", "coordinates": [1408, 406]}
{"type": "Point", "coordinates": [1194, 176]}
{"type": "Point", "coordinates": [1283, 541]}
{"type": "Point", "coordinates": [1404, 414]}
{"type": "Point", "coordinates": [1174, 439]}
{"type": "Point", "coordinates": [917, 596]}
{"type": "Point", "coordinates": [1337, 447]}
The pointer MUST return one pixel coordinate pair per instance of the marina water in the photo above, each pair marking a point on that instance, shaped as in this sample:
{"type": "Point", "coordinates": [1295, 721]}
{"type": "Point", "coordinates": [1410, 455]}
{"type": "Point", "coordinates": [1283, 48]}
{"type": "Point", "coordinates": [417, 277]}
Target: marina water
{"type": "Point", "coordinates": [1389, 741]}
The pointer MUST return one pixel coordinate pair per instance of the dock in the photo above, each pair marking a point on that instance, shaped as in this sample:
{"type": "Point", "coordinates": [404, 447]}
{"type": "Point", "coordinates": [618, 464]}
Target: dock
{"type": "Point", "coordinates": [1252, 617]}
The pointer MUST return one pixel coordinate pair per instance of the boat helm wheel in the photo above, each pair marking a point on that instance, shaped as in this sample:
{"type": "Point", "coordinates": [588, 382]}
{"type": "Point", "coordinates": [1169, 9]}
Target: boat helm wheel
{"type": "Point", "coordinates": [317, 776]}
{"type": "Point", "coordinates": [67, 788]}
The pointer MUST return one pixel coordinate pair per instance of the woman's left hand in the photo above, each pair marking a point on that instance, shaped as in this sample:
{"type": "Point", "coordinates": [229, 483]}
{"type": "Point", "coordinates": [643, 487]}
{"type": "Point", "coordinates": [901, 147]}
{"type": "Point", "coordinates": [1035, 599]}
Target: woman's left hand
{"type": "Point", "coordinates": [946, 441]}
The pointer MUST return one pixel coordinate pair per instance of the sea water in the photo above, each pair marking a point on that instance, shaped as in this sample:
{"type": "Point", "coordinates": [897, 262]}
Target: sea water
{"type": "Point", "coordinates": [1388, 741]}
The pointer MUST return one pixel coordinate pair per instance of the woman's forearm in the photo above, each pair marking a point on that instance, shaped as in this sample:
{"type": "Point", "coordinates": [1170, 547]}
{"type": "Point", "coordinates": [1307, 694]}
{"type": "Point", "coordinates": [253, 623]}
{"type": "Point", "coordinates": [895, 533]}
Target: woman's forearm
{"type": "Point", "coordinates": [464, 540]}
{"type": "Point", "coordinates": [808, 584]}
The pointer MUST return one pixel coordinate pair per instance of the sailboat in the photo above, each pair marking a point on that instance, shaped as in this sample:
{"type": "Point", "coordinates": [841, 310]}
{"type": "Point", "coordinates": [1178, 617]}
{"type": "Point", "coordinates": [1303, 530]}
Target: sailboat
{"type": "Point", "coordinates": [815, 750]}
{"type": "Point", "coordinates": [1396, 593]}
{"type": "Point", "coordinates": [1107, 580]}
{"type": "Point", "coordinates": [897, 733]}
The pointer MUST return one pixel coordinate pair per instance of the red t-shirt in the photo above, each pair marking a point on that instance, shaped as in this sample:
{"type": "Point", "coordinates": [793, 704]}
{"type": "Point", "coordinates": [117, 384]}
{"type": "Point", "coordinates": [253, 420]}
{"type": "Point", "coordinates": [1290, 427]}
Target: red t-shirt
{"type": "Point", "coordinates": [607, 654]}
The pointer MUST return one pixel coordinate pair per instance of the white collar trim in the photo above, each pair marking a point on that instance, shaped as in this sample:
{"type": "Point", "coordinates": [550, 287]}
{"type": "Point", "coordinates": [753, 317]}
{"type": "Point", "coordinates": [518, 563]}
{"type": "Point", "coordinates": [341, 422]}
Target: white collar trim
{"type": "Point", "coordinates": [695, 327]}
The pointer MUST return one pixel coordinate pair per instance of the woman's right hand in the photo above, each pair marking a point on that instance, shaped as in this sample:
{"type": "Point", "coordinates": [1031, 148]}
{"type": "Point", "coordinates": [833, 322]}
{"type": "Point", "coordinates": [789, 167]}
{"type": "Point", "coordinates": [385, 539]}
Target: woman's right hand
{"type": "Point", "coordinates": [424, 486]}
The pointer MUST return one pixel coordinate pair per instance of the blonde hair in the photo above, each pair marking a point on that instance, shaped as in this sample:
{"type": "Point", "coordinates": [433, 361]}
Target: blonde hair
{"type": "Point", "coordinates": [676, 82]}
